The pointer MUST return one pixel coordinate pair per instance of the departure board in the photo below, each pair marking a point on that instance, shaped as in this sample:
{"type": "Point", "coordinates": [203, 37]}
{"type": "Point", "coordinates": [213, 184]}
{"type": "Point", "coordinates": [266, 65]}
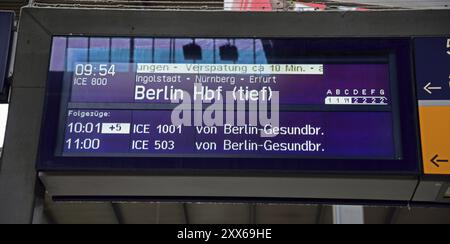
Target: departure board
{"type": "Point", "coordinates": [220, 98]}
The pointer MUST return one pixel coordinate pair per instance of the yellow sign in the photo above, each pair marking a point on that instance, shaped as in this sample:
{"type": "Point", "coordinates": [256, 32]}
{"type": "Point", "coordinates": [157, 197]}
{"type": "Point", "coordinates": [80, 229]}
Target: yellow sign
{"type": "Point", "coordinates": [435, 131]}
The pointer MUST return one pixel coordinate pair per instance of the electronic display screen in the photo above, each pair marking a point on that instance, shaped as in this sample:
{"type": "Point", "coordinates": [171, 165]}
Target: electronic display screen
{"type": "Point", "coordinates": [249, 98]}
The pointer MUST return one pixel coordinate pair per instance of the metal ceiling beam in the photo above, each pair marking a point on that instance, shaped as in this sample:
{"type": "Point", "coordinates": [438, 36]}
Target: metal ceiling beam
{"type": "Point", "coordinates": [118, 213]}
{"type": "Point", "coordinates": [252, 214]}
{"type": "Point", "coordinates": [279, 5]}
{"type": "Point", "coordinates": [392, 215]}
{"type": "Point", "coordinates": [400, 3]}
{"type": "Point", "coordinates": [320, 214]}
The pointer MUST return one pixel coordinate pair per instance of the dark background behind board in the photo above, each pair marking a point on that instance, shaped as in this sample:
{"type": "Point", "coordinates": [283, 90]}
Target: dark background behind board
{"type": "Point", "coordinates": [6, 28]}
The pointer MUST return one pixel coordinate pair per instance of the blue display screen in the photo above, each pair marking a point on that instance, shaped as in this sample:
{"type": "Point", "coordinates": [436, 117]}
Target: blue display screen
{"type": "Point", "coordinates": [229, 104]}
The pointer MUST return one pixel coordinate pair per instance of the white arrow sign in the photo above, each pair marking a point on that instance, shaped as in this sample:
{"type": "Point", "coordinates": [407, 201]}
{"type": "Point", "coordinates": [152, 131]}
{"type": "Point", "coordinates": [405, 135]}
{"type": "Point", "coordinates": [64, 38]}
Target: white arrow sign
{"type": "Point", "coordinates": [428, 88]}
